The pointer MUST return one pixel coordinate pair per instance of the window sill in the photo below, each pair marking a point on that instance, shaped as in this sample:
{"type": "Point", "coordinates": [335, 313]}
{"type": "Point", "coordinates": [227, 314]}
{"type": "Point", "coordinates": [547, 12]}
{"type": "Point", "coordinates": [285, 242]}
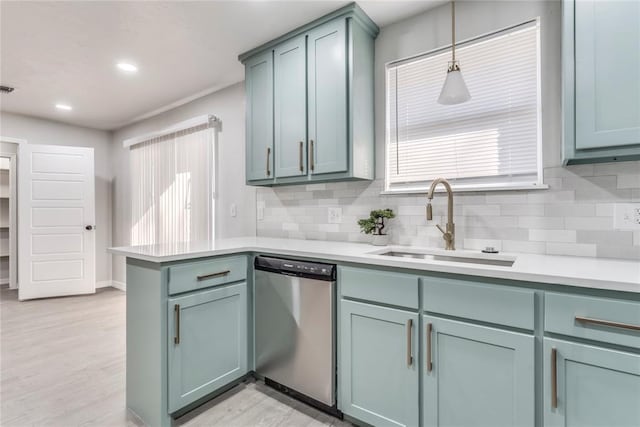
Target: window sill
{"type": "Point", "coordinates": [470, 189]}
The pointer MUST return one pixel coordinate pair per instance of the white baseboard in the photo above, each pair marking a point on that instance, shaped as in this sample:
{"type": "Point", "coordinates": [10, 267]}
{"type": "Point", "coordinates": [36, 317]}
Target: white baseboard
{"type": "Point", "coordinates": [119, 285]}
{"type": "Point", "coordinates": [111, 283]}
{"type": "Point", "coordinates": [103, 284]}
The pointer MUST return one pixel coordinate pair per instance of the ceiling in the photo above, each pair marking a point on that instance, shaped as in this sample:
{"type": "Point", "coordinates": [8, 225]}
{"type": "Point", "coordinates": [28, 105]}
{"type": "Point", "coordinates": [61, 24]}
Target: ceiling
{"type": "Point", "coordinates": [66, 52]}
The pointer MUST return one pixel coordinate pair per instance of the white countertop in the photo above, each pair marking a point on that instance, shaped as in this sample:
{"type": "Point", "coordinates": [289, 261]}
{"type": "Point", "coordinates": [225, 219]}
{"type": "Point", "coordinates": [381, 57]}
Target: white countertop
{"type": "Point", "coordinates": [599, 273]}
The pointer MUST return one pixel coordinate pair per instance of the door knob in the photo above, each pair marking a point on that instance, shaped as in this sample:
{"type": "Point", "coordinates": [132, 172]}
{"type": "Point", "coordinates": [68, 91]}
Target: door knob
{"type": "Point", "coordinates": [89, 227]}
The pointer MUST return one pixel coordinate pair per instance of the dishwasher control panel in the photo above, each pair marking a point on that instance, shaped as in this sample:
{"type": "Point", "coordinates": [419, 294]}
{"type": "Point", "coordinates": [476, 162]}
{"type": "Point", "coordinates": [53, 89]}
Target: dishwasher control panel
{"type": "Point", "coordinates": [297, 268]}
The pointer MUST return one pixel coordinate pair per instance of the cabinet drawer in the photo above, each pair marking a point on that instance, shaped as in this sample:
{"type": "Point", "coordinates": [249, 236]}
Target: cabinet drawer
{"type": "Point", "coordinates": [203, 274]}
{"type": "Point", "coordinates": [379, 286]}
{"type": "Point", "coordinates": [601, 319]}
{"type": "Point", "coordinates": [477, 301]}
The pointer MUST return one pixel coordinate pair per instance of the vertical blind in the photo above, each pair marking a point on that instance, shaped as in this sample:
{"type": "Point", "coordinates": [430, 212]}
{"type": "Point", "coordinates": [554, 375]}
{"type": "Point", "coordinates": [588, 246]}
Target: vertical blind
{"type": "Point", "coordinates": [172, 187]}
{"type": "Point", "coordinates": [493, 140]}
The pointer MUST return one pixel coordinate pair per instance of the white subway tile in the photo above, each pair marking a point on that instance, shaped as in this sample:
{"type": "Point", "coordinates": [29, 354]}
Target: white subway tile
{"type": "Point", "coordinates": [589, 223]}
{"type": "Point", "coordinates": [573, 249]}
{"type": "Point", "coordinates": [290, 226]}
{"type": "Point", "coordinates": [479, 210]}
{"type": "Point", "coordinates": [548, 196]}
{"type": "Point", "coordinates": [480, 244]}
{"type": "Point", "coordinates": [503, 199]}
{"type": "Point", "coordinates": [490, 221]}
{"type": "Point", "coordinates": [314, 187]}
{"type": "Point", "coordinates": [570, 209]}
{"type": "Point", "coordinates": [609, 237]}
{"type": "Point", "coordinates": [617, 168]}
{"type": "Point", "coordinates": [411, 210]}
{"type": "Point", "coordinates": [541, 222]}
{"type": "Point", "coordinates": [569, 171]}
{"type": "Point", "coordinates": [629, 180]}
{"type": "Point", "coordinates": [552, 235]}
{"type": "Point", "coordinates": [524, 209]}
{"type": "Point", "coordinates": [524, 246]}
{"type": "Point", "coordinates": [329, 227]}
{"type": "Point", "coordinates": [618, 252]}
{"type": "Point", "coordinates": [605, 209]}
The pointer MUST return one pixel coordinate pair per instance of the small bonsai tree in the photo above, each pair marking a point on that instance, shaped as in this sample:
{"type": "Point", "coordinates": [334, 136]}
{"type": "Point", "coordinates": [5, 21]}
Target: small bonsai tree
{"type": "Point", "coordinates": [375, 223]}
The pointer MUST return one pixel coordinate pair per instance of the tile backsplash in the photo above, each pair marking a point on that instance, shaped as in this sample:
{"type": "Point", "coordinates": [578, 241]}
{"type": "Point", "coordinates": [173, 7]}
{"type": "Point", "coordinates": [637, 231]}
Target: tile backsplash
{"type": "Point", "coordinates": [573, 217]}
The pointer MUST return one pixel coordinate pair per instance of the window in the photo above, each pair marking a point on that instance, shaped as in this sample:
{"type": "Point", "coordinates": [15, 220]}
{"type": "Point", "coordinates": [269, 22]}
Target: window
{"type": "Point", "coordinates": [489, 142]}
{"type": "Point", "coordinates": [172, 187]}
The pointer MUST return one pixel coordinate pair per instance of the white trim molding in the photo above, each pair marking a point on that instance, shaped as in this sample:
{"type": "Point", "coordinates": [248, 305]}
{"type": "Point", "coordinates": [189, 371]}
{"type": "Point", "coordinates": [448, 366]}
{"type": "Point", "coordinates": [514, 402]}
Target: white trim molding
{"type": "Point", "coordinates": [12, 140]}
{"type": "Point", "coordinates": [187, 124]}
{"type": "Point", "coordinates": [111, 283]}
{"type": "Point", "coordinates": [119, 285]}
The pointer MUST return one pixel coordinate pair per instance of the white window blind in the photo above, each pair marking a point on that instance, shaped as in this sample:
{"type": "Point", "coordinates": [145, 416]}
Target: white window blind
{"type": "Point", "coordinates": [172, 187]}
{"type": "Point", "coordinates": [491, 141]}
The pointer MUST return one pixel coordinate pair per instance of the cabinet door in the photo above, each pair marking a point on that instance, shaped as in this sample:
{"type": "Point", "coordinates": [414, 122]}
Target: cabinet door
{"type": "Point", "coordinates": [327, 85]}
{"type": "Point", "coordinates": [290, 105]}
{"type": "Point", "coordinates": [477, 375]}
{"type": "Point", "coordinates": [259, 116]}
{"type": "Point", "coordinates": [379, 380]}
{"type": "Point", "coordinates": [607, 73]}
{"type": "Point", "coordinates": [593, 386]}
{"type": "Point", "coordinates": [207, 339]}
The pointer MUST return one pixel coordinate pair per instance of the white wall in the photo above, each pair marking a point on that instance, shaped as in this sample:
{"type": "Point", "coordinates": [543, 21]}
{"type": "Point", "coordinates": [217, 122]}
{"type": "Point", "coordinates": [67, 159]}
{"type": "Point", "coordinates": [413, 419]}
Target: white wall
{"type": "Point", "coordinates": [227, 104]}
{"type": "Point", "coordinates": [40, 131]}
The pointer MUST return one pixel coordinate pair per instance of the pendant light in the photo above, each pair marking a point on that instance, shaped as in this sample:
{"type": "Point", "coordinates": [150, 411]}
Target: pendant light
{"type": "Point", "coordinates": [454, 90]}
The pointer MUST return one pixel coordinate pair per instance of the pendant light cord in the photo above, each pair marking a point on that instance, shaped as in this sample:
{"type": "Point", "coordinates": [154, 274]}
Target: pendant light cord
{"type": "Point", "coordinates": [453, 30]}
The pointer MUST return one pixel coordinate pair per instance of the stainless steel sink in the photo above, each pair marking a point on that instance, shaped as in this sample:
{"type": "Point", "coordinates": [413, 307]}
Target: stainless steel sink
{"type": "Point", "coordinates": [467, 258]}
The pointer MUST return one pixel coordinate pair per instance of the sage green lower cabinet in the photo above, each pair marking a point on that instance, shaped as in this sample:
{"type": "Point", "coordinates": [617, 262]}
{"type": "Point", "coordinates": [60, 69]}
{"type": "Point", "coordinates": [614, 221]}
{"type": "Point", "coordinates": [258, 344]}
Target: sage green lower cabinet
{"type": "Point", "coordinates": [379, 378]}
{"type": "Point", "coordinates": [207, 342]}
{"type": "Point", "coordinates": [476, 375]}
{"type": "Point", "coordinates": [593, 386]}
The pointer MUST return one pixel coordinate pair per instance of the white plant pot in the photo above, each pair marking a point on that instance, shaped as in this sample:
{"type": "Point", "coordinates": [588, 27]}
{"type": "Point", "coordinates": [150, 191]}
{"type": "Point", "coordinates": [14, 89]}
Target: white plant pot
{"type": "Point", "coordinates": [380, 240]}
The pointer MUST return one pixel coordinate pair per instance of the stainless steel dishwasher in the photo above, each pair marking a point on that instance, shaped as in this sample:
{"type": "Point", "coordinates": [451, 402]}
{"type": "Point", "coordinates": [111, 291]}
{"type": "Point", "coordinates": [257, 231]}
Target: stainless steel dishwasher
{"type": "Point", "coordinates": [295, 328]}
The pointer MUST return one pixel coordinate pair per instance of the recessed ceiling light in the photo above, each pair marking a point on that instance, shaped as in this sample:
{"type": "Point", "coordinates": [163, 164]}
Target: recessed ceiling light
{"type": "Point", "coordinates": [125, 66]}
{"type": "Point", "coordinates": [64, 107]}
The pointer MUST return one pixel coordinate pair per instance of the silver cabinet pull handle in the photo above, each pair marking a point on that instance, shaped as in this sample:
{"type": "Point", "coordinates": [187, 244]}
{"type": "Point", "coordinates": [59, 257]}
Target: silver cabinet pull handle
{"type": "Point", "coordinates": [409, 338]}
{"type": "Point", "coordinates": [268, 155]}
{"type": "Point", "coordinates": [429, 361]}
{"type": "Point", "coordinates": [176, 312]}
{"type": "Point", "coordinates": [607, 323]}
{"type": "Point", "coordinates": [311, 159]}
{"type": "Point", "coordinates": [301, 156]}
{"type": "Point", "coordinates": [212, 275]}
{"type": "Point", "coordinates": [554, 378]}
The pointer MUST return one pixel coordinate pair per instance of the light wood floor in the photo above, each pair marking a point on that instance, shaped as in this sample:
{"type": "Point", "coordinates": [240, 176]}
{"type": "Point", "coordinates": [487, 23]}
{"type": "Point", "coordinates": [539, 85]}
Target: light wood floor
{"type": "Point", "coordinates": [62, 363]}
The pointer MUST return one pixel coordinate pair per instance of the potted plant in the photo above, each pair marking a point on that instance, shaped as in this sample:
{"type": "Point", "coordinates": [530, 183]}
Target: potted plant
{"type": "Point", "coordinates": [375, 225]}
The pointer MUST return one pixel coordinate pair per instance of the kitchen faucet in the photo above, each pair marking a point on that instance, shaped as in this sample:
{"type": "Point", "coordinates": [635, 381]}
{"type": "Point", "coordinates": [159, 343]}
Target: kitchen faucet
{"type": "Point", "coordinates": [449, 234]}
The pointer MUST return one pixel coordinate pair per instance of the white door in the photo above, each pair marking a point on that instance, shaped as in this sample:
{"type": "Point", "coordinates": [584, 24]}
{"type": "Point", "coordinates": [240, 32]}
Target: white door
{"type": "Point", "coordinates": [56, 221]}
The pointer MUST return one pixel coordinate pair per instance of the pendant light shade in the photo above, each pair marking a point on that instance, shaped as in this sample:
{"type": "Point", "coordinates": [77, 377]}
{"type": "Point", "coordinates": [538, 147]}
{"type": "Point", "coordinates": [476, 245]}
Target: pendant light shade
{"type": "Point", "coordinates": [454, 90]}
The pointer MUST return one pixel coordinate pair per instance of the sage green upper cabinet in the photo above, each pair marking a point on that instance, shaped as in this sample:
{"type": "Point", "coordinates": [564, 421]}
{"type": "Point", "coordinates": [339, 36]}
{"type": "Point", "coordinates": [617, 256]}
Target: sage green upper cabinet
{"type": "Point", "coordinates": [290, 107]}
{"type": "Point", "coordinates": [601, 78]}
{"type": "Point", "coordinates": [586, 385]}
{"type": "Point", "coordinates": [322, 98]}
{"type": "Point", "coordinates": [259, 116]}
{"type": "Point", "coordinates": [327, 85]}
